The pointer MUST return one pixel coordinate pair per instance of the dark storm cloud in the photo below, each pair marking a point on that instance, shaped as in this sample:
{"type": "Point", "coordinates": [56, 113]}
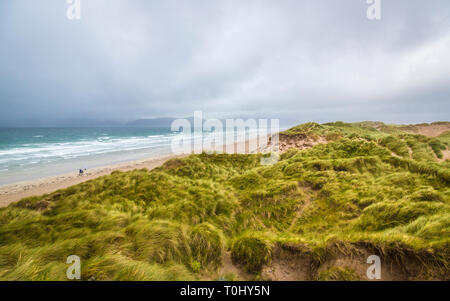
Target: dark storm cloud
{"type": "Point", "coordinates": [297, 60]}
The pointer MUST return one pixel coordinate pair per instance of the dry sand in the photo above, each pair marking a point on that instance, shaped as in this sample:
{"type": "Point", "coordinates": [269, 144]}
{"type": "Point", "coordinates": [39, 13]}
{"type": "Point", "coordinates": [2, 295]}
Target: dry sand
{"type": "Point", "coordinates": [14, 192]}
{"type": "Point", "coordinates": [430, 130]}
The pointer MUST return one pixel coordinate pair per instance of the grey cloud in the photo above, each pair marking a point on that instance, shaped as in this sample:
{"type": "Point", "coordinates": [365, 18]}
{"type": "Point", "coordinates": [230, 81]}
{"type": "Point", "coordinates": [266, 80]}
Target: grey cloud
{"type": "Point", "coordinates": [297, 60]}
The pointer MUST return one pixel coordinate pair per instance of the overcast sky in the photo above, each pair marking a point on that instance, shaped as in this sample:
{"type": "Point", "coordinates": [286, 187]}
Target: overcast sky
{"type": "Point", "coordinates": [296, 60]}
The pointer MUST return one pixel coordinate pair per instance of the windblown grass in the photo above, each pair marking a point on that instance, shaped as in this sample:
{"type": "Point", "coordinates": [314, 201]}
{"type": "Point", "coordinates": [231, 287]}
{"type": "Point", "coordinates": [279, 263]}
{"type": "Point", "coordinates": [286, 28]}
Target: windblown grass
{"type": "Point", "coordinates": [371, 185]}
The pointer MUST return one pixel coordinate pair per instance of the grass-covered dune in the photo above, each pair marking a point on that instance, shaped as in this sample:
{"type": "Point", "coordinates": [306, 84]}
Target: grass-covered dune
{"type": "Point", "coordinates": [317, 214]}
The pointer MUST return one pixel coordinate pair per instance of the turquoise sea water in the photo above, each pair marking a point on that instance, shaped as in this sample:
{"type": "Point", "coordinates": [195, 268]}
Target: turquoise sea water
{"type": "Point", "coordinates": [30, 153]}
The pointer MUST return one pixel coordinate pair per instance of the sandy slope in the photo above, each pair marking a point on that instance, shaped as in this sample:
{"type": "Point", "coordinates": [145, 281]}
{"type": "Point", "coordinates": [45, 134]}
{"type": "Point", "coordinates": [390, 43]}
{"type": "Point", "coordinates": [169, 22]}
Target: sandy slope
{"type": "Point", "coordinates": [430, 130]}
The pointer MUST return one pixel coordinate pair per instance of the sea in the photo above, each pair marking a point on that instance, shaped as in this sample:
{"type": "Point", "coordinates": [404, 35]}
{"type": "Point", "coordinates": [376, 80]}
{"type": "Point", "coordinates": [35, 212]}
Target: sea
{"type": "Point", "coordinates": [33, 153]}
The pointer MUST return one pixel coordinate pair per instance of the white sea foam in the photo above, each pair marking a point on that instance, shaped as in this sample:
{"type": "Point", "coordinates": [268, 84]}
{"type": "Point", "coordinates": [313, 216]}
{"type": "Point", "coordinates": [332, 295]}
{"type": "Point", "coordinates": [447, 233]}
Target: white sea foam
{"type": "Point", "coordinates": [27, 154]}
{"type": "Point", "coordinates": [27, 160]}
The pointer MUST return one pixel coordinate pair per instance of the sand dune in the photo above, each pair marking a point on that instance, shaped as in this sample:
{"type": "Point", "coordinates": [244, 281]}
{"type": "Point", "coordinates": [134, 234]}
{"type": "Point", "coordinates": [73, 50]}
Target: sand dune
{"type": "Point", "coordinates": [14, 192]}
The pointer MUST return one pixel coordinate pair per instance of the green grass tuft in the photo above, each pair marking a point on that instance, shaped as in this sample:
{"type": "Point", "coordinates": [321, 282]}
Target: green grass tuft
{"type": "Point", "coordinates": [372, 186]}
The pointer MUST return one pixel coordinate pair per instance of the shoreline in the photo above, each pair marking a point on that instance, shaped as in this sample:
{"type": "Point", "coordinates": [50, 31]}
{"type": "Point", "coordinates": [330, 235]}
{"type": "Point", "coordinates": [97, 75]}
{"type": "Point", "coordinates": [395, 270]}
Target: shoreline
{"type": "Point", "coordinates": [14, 192]}
{"type": "Point", "coordinates": [10, 193]}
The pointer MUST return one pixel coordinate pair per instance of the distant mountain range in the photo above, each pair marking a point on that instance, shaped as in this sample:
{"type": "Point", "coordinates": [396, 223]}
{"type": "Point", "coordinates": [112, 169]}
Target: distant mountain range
{"type": "Point", "coordinates": [164, 122]}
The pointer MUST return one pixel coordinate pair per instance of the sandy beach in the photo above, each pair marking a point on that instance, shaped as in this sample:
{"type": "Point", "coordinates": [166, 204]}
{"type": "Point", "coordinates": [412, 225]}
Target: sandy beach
{"type": "Point", "coordinates": [14, 192]}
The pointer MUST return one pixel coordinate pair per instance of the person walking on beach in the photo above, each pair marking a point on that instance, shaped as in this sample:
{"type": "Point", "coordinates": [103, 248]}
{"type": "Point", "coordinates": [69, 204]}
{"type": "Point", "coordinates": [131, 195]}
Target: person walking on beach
{"type": "Point", "coordinates": [81, 172]}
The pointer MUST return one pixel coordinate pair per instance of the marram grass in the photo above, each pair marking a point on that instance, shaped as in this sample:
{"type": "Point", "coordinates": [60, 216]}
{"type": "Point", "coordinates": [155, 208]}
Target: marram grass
{"type": "Point", "coordinates": [381, 188]}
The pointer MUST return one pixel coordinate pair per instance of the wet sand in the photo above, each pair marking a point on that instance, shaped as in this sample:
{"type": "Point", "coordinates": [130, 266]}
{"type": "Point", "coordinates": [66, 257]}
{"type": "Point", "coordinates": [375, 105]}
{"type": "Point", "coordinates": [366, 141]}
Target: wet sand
{"type": "Point", "coordinates": [14, 192]}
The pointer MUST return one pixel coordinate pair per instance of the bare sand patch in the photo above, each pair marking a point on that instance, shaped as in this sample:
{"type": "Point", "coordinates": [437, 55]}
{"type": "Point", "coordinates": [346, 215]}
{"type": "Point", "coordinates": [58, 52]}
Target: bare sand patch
{"type": "Point", "coordinates": [229, 268]}
{"type": "Point", "coordinates": [430, 130]}
{"type": "Point", "coordinates": [445, 155]}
